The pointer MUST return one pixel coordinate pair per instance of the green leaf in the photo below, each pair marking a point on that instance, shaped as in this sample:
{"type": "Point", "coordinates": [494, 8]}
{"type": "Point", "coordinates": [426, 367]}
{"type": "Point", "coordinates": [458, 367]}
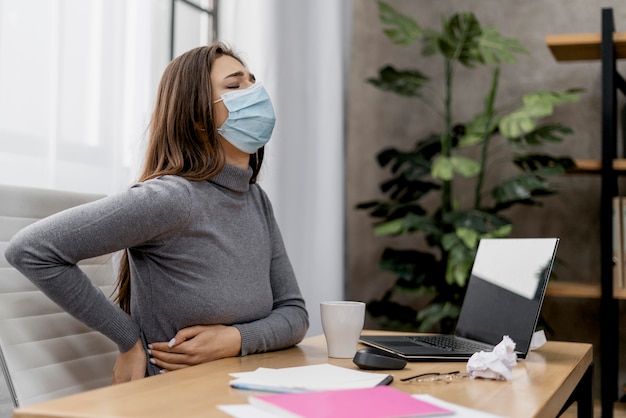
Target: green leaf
{"type": "Point", "coordinates": [459, 259]}
{"type": "Point", "coordinates": [475, 130]}
{"type": "Point", "coordinates": [404, 83]}
{"type": "Point", "coordinates": [413, 163]}
{"type": "Point", "coordinates": [409, 223]}
{"type": "Point", "coordinates": [448, 241]}
{"type": "Point", "coordinates": [502, 232]}
{"type": "Point", "coordinates": [405, 191]}
{"type": "Point", "coordinates": [458, 272]}
{"type": "Point", "coordinates": [523, 120]}
{"type": "Point", "coordinates": [434, 313]}
{"type": "Point", "coordinates": [520, 188]}
{"type": "Point", "coordinates": [430, 42]}
{"type": "Point", "coordinates": [475, 219]}
{"type": "Point", "coordinates": [401, 29]}
{"type": "Point", "coordinates": [465, 166]}
{"type": "Point", "coordinates": [459, 40]}
{"type": "Point", "coordinates": [394, 227]}
{"type": "Point", "coordinates": [496, 49]}
{"type": "Point", "coordinates": [367, 205]}
{"type": "Point", "coordinates": [469, 237]}
{"type": "Point", "coordinates": [391, 209]}
{"type": "Point", "coordinates": [543, 164]}
{"type": "Point", "coordinates": [444, 168]}
{"type": "Point", "coordinates": [535, 106]}
{"type": "Point", "coordinates": [552, 97]}
{"type": "Point", "coordinates": [542, 134]}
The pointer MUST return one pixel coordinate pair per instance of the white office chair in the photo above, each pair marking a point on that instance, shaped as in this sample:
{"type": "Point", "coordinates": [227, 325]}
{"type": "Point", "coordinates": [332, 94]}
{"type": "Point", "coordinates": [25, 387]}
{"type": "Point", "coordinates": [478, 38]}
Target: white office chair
{"type": "Point", "coordinates": [44, 352]}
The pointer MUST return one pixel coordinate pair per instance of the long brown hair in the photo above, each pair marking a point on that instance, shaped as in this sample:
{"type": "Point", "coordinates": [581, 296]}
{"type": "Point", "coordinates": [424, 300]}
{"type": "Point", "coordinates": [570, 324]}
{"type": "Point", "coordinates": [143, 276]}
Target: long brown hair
{"type": "Point", "coordinates": [183, 139]}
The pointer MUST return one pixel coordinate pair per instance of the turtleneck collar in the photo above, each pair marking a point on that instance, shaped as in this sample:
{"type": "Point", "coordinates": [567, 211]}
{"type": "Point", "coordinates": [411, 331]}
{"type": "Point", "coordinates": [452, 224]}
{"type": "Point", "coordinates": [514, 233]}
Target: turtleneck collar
{"type": "Point", "coordinates": [233, 178]}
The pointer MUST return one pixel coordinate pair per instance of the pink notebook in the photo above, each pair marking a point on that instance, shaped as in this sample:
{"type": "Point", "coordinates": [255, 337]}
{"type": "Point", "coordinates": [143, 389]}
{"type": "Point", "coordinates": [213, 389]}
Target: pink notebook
{"type": "Point", "coordinates": [376, 402]}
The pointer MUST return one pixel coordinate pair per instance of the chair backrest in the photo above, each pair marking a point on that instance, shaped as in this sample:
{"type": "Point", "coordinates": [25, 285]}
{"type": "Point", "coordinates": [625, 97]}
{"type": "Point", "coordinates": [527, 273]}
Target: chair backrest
{"type": "Point", "coordinates": [44, 352]}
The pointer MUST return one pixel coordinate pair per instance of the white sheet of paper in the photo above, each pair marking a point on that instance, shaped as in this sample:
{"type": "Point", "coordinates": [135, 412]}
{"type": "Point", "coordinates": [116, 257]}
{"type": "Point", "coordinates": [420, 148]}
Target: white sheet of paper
{"type": "Point", "coordinates": [306, 378]}
{"type": "Point", "coordinates": [245, 411]}
{"type": "Point", "coordinates": [461, 411]}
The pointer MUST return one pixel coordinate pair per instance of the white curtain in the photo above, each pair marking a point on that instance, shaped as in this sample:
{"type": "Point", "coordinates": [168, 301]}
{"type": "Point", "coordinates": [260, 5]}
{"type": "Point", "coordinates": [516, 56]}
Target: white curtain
{"type": "Point", "coordinates": [74, 96]}
{"type": "Point", "coordinates": [299, 50]}
{"type": "Point", "coordinates": [77, 83]}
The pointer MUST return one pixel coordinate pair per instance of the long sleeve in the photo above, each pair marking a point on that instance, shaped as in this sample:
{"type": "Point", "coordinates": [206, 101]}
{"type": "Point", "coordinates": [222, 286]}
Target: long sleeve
{"type": "Point", "coordinates": [47, 252]}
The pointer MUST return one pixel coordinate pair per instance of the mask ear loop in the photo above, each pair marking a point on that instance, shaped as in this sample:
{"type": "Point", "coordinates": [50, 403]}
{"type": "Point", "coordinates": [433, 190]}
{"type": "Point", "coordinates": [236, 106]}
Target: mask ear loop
{"type": "Point", "coordinates": [215, 101]}
{"type": "Point", "coordinates": [256, 157]}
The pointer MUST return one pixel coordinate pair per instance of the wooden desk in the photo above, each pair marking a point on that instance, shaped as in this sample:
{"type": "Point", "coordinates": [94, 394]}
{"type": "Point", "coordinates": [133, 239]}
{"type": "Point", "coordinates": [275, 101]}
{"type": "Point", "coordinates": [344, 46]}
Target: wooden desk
{"type": "Point", "coordinates": [541, 386]}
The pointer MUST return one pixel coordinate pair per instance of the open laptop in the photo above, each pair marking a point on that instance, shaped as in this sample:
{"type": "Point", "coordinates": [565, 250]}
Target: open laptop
{"type": "Point", "coordinates": [504, 297]}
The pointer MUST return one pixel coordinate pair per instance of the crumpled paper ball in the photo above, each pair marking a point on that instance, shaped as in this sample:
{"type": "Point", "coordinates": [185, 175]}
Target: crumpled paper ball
{"type": "Point", "coordinates": [496, 364]}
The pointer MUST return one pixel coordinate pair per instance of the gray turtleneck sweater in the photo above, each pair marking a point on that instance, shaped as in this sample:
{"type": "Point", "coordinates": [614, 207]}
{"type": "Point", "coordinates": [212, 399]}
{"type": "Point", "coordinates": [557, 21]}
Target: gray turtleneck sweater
{"type": "Point", "coordinates": [200, 253]}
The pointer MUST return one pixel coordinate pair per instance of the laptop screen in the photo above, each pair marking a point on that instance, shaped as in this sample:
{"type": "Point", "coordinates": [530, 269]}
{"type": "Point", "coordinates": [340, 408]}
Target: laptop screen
{"type": "Point", "coordinates": [505, 290]}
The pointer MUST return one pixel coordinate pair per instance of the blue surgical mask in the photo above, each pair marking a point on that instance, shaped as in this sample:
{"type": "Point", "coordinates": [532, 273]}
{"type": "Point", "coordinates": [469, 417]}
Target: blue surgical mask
{"type": "Point", "coordinates": [250, 119]}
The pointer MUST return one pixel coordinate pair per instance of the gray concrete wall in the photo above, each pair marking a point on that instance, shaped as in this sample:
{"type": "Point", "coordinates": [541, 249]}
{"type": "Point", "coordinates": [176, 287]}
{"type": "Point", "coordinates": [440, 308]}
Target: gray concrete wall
{"type": "Point", "coordinates": [377, 119]}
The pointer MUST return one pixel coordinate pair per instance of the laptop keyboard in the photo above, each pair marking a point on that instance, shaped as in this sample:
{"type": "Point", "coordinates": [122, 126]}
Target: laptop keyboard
{"type": "Point", "coordinates": [450, 343]}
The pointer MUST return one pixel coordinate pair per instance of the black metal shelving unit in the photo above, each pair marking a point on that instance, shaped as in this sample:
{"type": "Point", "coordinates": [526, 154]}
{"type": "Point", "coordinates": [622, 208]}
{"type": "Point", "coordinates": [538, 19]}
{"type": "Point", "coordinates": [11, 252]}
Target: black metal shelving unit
{"type": "Point", "coordinates": [608, 46]}
{"type": "Point", "coordinates": [612, 82]}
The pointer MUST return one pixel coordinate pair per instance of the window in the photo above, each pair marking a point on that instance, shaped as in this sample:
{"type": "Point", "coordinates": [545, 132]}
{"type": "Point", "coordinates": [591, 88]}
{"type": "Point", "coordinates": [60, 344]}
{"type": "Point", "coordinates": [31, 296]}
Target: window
{"type": "Point", "coordinates": [192, 24]}
{"type": "Point", "coordinates": [77, 83]}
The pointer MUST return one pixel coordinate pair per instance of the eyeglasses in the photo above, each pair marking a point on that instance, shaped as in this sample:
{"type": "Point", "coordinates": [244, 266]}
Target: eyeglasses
{"type": "Point", "coordinates": [436, 377]}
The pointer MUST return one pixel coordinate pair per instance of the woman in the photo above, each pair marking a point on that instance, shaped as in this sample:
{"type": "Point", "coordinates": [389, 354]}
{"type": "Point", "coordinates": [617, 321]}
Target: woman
{"type": "Point", "coordinates": [204, 274]}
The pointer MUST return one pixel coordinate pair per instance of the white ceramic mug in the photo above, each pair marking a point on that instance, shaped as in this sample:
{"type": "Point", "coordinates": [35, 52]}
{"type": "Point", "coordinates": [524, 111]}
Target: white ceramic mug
{"type": "Point", "coordinates": [342, 322]}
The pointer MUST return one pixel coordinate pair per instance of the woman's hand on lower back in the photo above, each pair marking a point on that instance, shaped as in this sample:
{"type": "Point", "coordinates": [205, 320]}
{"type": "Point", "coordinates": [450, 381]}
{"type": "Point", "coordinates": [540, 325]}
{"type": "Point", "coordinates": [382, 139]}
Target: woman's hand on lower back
{"type": "Point", "coordinates": [130, 365]}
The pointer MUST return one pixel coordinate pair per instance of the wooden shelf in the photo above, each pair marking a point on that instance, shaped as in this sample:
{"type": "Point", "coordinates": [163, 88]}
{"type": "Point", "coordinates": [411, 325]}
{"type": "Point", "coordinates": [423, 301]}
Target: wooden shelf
{"type": "Point", "coordinates": [619, 293]}
{"type": "Point", "coordinates": [573, 290]}
{"type": "Point", "coordinates": [594, 166]}
{"type": "Point", "coordinates": [583, 46]}
{"type": "Point", "coordinates": [566, 289]}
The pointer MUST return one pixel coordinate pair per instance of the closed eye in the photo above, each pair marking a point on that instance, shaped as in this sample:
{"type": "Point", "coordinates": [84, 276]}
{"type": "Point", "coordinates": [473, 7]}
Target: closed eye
{"type": "Point", "coordinates": [236, 78]}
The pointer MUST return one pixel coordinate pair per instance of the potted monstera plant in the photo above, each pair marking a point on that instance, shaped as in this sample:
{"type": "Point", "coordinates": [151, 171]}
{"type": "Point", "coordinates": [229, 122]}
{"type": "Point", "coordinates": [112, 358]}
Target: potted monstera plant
{"type": "Point", "coordinates": [433, 165]}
